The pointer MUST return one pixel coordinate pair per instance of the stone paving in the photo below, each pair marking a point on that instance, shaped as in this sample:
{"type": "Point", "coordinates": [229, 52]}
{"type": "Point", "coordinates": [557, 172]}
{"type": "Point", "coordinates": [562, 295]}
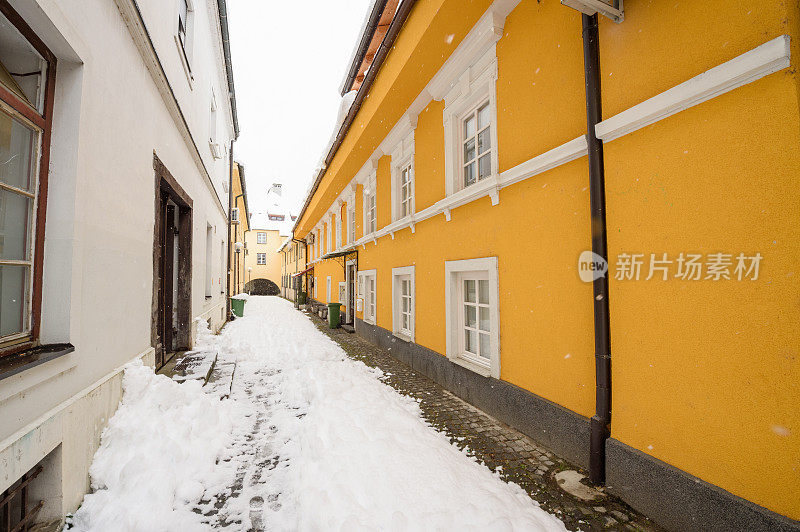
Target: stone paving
{"type": "Point", "coordinates": [501, 448]}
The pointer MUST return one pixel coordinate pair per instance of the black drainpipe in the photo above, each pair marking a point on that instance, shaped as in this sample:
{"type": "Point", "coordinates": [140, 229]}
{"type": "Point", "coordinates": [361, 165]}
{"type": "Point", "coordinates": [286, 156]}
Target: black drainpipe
{"type": "Point", "coordinates": [601, 421]}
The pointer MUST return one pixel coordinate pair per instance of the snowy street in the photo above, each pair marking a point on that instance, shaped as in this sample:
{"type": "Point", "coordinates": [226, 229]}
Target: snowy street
{"type": "Point", "coordinates": [309, 439]}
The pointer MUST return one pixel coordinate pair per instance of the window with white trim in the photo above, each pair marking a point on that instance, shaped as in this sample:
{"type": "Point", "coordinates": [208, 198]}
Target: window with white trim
{"type": "Point", "coordinates": [403, 302]}
{"type": "Point", "coordinates": [261, 258]}
{"type": "Point", "coordinates": [402, 169]}
{"type": "Point", "coordinates": [370, 208]}
{"type": "Point", "coordinates": [472, 295]}
{"type": "Point", "coordinates": [368, 290]}
{"type": "Point", "coordinates": [351, 216]}
{"type": "Point", "coordinates": [328, 300]}
{"type": "Point", "coordinates": [339, 233]}
{"type": "Point", "coordinates": [470, 124]}
{"type": "Point", "coordinates": [262, 238]}
{"type": "Point", "coordinates": [476, 143]}
{"type": "Point", "coordinates": [406, 191]}
{"type": "Point", "coordinates": [328, 231]}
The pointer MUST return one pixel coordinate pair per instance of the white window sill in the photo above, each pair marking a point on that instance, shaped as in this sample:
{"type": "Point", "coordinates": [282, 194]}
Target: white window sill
{"type": "Point", "coordinates": [481, 369]}
{"type": "Point", "coordinates": [186, 68]}
{"type": "Point", "coordinates": [371, 322]}
{"type": "Point", "coordinates": [403, 336]}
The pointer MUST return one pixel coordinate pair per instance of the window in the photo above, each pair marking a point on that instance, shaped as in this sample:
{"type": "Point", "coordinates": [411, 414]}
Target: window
{"type": "Point", "coordinates": [209, 254]}
{"type": "Point", "coordinates": [476, 162]}
{"type": "Point", "coordinates": [339, 232]}
{"type": "Point", "coordinates": [328, 231]}
{"type": "Point", "coordinates": [222, 267]}
{"type": "Point", "coordinates": [25, 106]}
{"type": "Point", "coordinates": [470, 121]}
{"type": "Point", "coordinates": [185, 19]}
{"type": "Point", "coordinates": [406, 194]}
{"type": "Point", "coordinates": [472, 314]}
{"type": "Point", "coordinates": [403, 302]}
{"type": "Point", "coordinates": [261, 258]}
{"type": "Point", "coordinates": [370, 209]}
{"type": "Point", "coordinates": [351, 215]}
{"type": "Point", "coordinates": [276, 217]}
{"type": "Point", "coordinates": [262, 238]}
{"type": "Point", "coordinates": [329, 290]}
{"type": "Point", "coordinates": [367, 288]}
{"type": "Point", "coordinates": [315, 287]}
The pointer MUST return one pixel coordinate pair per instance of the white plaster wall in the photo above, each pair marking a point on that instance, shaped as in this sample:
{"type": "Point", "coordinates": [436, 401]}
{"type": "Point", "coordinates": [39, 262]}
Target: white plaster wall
{"type": "Point", "coordinates": [109, 120]}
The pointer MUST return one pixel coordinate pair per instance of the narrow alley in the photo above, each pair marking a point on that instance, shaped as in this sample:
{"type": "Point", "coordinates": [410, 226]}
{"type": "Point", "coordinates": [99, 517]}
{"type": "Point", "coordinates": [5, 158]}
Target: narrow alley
{"type": "Point", "coordinates": [308, 439]}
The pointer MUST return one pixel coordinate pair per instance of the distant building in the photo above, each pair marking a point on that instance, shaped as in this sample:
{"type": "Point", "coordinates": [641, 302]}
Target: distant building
{"type": "Point", "coordinates": [240, 224]}
{"type": "Point", "coordinates": [268, 229]}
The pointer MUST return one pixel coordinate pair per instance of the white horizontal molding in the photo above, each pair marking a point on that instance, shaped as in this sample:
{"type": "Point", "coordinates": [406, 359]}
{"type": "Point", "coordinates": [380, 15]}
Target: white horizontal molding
{"type": "Point", "coordinates": [574, 149]}
{"type": "Point", "coordinates": [770, 57]}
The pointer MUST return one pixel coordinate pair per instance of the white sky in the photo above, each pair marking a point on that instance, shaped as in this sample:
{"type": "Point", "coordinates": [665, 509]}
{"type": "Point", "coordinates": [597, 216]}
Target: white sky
{"type": "Point", "coordinates": [289, 58]}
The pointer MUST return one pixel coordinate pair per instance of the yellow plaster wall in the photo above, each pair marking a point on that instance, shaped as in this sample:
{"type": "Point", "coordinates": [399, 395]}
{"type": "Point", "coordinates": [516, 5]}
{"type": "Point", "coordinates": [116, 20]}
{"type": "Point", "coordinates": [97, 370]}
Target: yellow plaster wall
{"type": "Point", "coordinates": [706, 375]}
{"type": "Point", "coordinates": [273, 268]}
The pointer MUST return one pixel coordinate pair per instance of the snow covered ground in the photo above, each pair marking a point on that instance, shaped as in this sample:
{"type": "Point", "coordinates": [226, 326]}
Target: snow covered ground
{"type": "Point", "coordinates": [308, 440]}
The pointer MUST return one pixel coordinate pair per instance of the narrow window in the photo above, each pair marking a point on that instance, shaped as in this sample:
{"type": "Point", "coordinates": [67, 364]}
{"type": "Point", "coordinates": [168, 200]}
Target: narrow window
{"type": "Point", "coordinates": [403, 302]}
{"type": "Point", "coordinates": [477, 146]}
{"type": "Point", "coordinates": [474, 317]}
{"type": "Point", "coordinates": [262, 238]}
{"type": "Point", "coordinates": [372, 218]}
{"type": "Point", "coordinates": [405, 191]}
{"type": "Point", "coordinates": [352, 216]}
{"type": "Point", "coordinates": [185, 30]}
{"type": "Point", "coordinates": [261, 258]}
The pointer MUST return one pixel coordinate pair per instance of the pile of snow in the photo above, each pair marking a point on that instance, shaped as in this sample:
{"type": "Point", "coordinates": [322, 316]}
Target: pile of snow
{"type": "Point", "coordinates": [243, 295]}
{"type": "Point", "coordinates": [316, 440]}
{"type": "Point", "coordinates": [157, 457]}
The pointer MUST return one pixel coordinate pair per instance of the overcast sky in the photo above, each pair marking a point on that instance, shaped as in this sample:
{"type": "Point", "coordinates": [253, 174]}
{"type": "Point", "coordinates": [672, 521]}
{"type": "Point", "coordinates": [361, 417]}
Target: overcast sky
{"type": "Point", "coordinates": [289, 59]}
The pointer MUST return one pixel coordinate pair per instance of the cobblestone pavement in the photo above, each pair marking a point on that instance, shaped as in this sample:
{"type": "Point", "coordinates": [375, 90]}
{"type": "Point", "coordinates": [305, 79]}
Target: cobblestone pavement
{"type": "Point", "coordinates": [518, 458]}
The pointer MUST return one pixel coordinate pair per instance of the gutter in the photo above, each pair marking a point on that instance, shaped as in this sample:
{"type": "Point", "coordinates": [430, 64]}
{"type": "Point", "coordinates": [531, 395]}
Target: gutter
{"type": "Point", "coordinates": [383, 50]}
{"type": "Point", "coordinates": [601, 421]}
{"type": "Point", "coordinates": [226, 50]}
{"type": "Point", "coordinates": [363, 45]}
{"type": "Point", "coordinates": [230, 209]}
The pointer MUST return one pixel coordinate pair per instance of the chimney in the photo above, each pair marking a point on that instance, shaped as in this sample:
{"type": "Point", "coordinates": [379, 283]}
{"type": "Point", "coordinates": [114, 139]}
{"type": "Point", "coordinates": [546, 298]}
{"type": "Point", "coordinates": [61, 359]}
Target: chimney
{"type": "Point", "coordinates": [276, 188]}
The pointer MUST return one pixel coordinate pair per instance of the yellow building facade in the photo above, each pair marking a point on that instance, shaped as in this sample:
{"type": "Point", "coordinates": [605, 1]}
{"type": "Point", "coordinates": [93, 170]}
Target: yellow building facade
{"type": "Point", "coordinates": [239, 225]}
{"type": "Point", "coordinates": [455, 205]}
{"type": "Point", "coordinates": [262, 260]}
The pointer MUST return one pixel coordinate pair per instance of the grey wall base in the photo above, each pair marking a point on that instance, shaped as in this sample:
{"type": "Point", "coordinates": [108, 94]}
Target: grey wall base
{"type": "Point", "coordinates": [680, 501]}
{"type": "Point", "coordinates": [562, 431]}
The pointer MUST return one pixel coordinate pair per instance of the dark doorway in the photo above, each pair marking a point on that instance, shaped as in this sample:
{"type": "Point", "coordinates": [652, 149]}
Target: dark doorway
{"type": "Point", "coordinates": [172, 267]}
{"type": "Point", "coordinates": [351, 292]}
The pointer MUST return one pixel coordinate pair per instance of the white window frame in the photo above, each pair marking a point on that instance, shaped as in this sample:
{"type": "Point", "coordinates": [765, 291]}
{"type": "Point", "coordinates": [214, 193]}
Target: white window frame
{"type": "Point", "coordinates": [398, 276]}
{"type": "Point", "coordinates": [475, 86]}
{"type": "Point", "coordinates": [351, 221]}
{"type": "Point", "coordinates": [328, 291]}
{"type": "Point", "coordinates": [455, 271]}
{"type": "Point", "coordinates": [259, 234]}
{"type": "Point", "coordinates": [339, 232]}
{"type": "Point", "coordinates": [328, 225]}
{"type": "Point", "coordinates": [259, 256]}
{"type": "Point", "coordinates": [402, 159]}
{"type": "Point", "coordinates": [186, 48]}
{"type": "Point", "coordinates": [315, 288]}
{"type": "Point", "coordinates": [370, 310]}
{"type": "Point", "coordinates": [370, 215]}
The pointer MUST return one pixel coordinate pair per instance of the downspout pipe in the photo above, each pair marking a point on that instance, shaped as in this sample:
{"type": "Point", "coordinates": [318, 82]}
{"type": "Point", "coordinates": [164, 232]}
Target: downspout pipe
{"type": "Point", "coordinates": [236, 239]}
{"type": "Point", "coordinates": [601, 421]}
{"type": "Point", "coordinates": [230, 210]}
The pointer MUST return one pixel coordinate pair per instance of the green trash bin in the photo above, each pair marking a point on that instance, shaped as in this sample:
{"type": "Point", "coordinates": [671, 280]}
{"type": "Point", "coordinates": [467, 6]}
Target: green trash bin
{"type": "Point", "coordinates": [333, 315]}
{"type": "Point", "coordinates": [237, 306]}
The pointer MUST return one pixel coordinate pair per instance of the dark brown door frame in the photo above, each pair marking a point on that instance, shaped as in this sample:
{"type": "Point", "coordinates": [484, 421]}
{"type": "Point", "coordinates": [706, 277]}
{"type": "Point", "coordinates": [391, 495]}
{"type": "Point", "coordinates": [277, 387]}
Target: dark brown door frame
{"type": "Point", "coordinates": [167, 188]}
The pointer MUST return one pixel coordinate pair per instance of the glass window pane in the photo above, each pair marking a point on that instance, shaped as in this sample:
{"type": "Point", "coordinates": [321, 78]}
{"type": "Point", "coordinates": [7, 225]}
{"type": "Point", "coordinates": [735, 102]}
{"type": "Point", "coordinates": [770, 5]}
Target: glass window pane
{"type": "Point", "coordinates": [485, 346]}
{"type": "Point", "coordinates": [469, 127]}
{"type": "Point", "coordinates": [469, 174]}
{"type": "Point", "coordinates": [470, 316]}
{"type": "Point", "coordinates": [15, 215]}
{"type": "Point", "coordinates": [484, 324]}
{"type": "Point", "coordinates": [469, 290]}
{"type": "Point", "coordinates": [24, 68]}
{"type": "Point", "coordinates": [17, 149]}
{"type": "Point", "coordinates": [13, 299]}
{"type": "Point", "coordinates": [483, 116]}
{"type": "Point", "coordinates": [470, 342]}
{"type": "Point", "coordinates": [405, 322]}
{"type": "Point", "coordinates": [484, 140]}
{"type": "Point", "coordinates": [469, 150]}
{"type": "Point", "coordinates": [483, 289]}
{"type": "Point", "coordinates": [485, 166]}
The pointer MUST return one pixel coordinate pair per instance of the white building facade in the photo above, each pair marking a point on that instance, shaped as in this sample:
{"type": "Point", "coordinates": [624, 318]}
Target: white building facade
{"type": "Point", "coordinates": [116, 125]}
